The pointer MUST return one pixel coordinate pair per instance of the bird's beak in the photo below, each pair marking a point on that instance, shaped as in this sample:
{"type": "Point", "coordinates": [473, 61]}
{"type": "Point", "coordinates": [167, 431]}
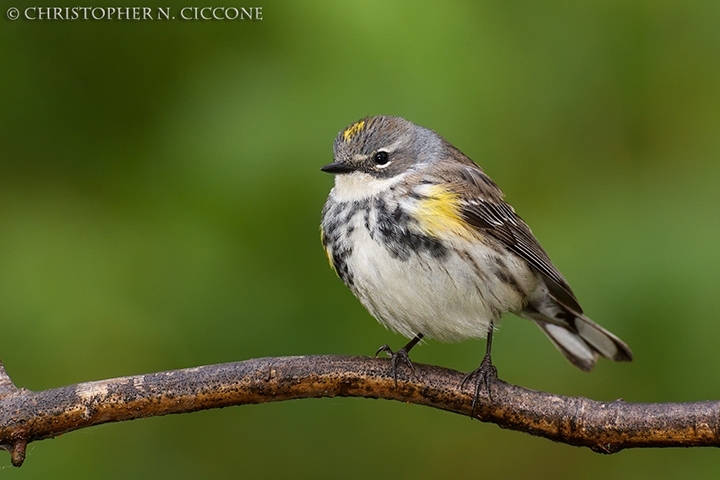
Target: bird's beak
{"type": "Point", "coordinates": [337, 168]}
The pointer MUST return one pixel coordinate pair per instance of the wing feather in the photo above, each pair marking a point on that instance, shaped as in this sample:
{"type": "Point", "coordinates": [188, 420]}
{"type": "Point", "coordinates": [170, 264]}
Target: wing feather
{"type": "Point", "coordinates": [483, 207]}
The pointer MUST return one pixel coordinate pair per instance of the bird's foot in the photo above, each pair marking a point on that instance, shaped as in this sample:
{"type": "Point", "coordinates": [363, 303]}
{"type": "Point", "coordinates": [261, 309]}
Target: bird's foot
{"type": "Point", "coordinates": [483, 376]}
{"type": "Point", "coordinates": [401, 356]}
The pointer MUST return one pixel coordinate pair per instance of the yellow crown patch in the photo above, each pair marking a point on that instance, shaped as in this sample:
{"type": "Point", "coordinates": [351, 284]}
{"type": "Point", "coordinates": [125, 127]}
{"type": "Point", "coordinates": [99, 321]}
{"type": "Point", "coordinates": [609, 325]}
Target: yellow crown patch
{"type": "Point", "coordinates": [353, 130]}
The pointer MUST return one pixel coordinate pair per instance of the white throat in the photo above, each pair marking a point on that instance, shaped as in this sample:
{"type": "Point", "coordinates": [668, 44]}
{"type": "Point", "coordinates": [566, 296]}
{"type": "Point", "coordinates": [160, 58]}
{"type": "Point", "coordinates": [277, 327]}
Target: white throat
{"type": "Point", "coordinates": [359, 186]}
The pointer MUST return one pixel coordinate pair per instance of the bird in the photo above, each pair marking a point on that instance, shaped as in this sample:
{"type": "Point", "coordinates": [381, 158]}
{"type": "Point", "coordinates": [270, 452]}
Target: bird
{"type": "Point", "coordinates": [426, 242]}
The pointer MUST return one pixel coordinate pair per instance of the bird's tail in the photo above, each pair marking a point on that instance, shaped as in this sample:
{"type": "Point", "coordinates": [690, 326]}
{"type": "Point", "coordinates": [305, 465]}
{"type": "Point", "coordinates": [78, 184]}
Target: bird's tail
{"type": "Point", "coordinates": [578, 338]}
{"type": "Point", "coordinates": [581, 341]}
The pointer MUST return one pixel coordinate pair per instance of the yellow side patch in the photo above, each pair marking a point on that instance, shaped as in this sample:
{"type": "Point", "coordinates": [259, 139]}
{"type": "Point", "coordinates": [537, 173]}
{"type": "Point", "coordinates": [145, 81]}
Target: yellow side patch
{"type": "Point", "coordinates": [330, 260]}
{"type": "Point", "coordinates": [327, 250]}
{"type": "Point", "coordinates": [439, 213]}
{"type": "Point", "coordinates": [353, 130]}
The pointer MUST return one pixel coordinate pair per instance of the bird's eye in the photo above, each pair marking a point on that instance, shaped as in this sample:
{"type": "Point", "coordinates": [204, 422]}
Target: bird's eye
{"type": "Point", "coordinates": [381, 158]}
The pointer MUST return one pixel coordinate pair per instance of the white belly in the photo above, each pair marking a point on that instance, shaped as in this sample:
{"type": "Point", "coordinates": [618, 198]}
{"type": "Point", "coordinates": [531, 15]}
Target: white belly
{"type": "Point", "coordinates": [449, 299]}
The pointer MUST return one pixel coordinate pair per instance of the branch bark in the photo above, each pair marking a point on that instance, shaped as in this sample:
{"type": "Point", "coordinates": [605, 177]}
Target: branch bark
{"type": "Point", "coordinates": [606, 427]}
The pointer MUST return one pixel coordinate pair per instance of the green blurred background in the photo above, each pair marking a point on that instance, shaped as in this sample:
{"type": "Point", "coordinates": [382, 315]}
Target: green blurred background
{"type": "Point", "coordinates": [160, 196]}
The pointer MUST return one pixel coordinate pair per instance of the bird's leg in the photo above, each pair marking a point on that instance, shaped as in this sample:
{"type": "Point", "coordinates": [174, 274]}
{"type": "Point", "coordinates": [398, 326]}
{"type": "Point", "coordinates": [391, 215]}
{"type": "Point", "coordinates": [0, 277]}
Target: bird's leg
{"type": "Point", "coordinates": [484, 374]}
{"type": "Point", "coordinates": [401, 355]}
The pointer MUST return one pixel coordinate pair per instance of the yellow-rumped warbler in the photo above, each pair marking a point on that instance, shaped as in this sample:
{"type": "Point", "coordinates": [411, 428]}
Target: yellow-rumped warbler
{"type": "Point", "coordinates": [426, 242]}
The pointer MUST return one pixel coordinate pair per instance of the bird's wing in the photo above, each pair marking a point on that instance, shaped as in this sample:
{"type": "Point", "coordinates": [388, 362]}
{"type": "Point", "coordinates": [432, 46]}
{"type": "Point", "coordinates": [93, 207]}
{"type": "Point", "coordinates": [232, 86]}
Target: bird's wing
{"type": "Point", "coordinates": [483, 207]}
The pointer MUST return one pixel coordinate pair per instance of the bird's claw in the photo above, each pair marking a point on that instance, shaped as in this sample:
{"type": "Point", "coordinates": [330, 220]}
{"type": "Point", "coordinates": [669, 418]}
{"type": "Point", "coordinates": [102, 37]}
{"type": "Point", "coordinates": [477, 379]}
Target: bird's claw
{"type": "Point", "coordinates": [395, 359]}
{"type": "Point", "coordinates": [484, 375]}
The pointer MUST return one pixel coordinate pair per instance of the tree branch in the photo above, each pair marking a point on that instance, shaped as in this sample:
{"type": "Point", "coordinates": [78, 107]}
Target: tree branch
{"type": "Point", "coordinates": [605, 427]}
